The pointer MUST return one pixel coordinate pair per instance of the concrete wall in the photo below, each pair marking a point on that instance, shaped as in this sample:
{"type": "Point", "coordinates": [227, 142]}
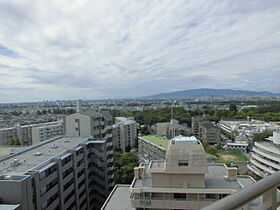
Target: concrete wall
{"type": "Point", "coordinates": [83, 127]}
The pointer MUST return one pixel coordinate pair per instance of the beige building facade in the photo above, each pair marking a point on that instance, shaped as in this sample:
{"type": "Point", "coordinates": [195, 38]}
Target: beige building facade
{"type": "Point", "coordinates": [184, 180]}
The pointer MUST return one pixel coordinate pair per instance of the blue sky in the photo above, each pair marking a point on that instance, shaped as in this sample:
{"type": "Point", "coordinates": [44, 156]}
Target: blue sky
{"type": "Point", "coordinates": [99, 49]}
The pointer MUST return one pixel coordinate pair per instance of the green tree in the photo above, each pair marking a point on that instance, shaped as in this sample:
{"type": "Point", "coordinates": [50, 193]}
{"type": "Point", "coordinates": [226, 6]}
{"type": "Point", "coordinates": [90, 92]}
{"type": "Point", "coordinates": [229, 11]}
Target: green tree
{"type": "Point", "coordinates": [124, 167]}
{"type": "Point", "coordinates": [144, 130]}
{"type": "Point", "coordinates": [211, 150]}
{"type": "Point", "coordinates": [262, 136]}
{"type": "Point", "coordinates": [232, 108]}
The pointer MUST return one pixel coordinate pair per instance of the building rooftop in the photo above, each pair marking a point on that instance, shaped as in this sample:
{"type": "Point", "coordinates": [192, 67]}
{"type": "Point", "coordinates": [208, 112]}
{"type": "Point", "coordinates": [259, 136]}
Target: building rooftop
{"type": "Point", "coordinates": [125, 120]}
{"type": "Point", "coordinates": [185, 140]}
{"type": "Point", "coordinates": [35, 155]}
{"type": "Point", "coordinates": [9, 206]}
{"type": "Point", "coordinates": [269, 144]}
{"type": "Point", "coordinates": [214, 179]}
{"type": "Point", "coordinates": [119, 199]}
{"type": "Point", "coordinates": [6, 150]}
{"type": "Point", "coordinates": [157, 140]}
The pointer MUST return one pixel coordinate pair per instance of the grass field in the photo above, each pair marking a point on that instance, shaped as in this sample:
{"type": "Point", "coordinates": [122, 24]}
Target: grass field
{"type": "Point", "coordinates": [158, 140]}
{"type": "Point", "coordinates": [230, 157]}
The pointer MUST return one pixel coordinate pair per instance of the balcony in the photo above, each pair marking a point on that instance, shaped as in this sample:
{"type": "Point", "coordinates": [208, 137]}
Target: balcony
{"type": "Point", "coordinates": [267, 155]}
{"type": "Point", "coordinates": [261, 166]}
{"type": "Point", "coordinates": [171, 203]}
{"type": "Point", "coordinates": [256, 171]}
{"type": "Point", "coordinates": [267, 148]}
{"type": "Point", "coordinates": [267, 162]}
{"type": "Point", "coordinates": [108, 127]}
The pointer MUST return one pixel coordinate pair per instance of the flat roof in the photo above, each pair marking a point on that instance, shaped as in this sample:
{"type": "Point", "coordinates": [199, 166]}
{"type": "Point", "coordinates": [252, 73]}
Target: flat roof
{"type": "Point", "coordinates": [185, 140]}
{"type": "Point", "coordinates": [9, 206]}
{"type": "Point", "coordinates": [119, 199]}
{"type": "Point", "coordinates": [6, 150]}
{"type": "Point", "coordinates": [25, 159]}
{"type": "Point", "coordinates": [157, 140]}
{"type": "Point", "coordinates": [214, 179]}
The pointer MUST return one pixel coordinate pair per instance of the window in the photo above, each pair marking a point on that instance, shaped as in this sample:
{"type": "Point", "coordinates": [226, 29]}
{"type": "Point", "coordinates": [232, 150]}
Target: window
{"type": "Point", "coordinates": [183, 163]}
{"type": "Point", "coordinates": [179, 196]}
{"type": "Point", "coordinates": [76, 120]}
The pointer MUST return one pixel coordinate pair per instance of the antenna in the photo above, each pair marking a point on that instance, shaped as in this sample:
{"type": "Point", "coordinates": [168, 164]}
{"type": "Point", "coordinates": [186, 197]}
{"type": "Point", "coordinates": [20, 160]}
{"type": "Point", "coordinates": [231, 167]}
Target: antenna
{"type": "Point", "coordinates": [172, 116]}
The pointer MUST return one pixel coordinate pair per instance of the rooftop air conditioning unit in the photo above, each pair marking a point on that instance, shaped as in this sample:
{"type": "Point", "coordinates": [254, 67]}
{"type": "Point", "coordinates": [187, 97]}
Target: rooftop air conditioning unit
{"type": "Point", "coordinates": [15, 162]}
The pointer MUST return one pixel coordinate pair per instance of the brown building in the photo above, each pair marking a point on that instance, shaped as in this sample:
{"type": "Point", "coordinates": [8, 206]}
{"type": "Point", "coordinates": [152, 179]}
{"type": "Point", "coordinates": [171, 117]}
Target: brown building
{"type": "Point", "coordinates": [205, 130]}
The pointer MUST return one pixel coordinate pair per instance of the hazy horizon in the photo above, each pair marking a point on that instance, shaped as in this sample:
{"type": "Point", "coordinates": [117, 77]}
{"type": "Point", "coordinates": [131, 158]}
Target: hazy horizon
{"type": "Point", "coordinates": [60, 50]}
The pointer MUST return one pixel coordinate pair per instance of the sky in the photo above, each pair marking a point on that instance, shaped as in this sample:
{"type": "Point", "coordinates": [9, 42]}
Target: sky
{"type": "Point", "coordinates": [58, 49]}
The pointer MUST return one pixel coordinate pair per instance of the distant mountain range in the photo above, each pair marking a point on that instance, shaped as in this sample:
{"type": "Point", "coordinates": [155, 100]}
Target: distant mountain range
{"type": "Point", "coordinates": [207, 92]}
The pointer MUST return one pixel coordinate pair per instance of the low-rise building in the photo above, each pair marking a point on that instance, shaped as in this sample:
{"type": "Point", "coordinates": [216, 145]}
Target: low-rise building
{"type": "Point", "coordinates": [125, 134]}
{"type": "Point", "coordinates": [59, 173]}
{"type": "Point", "coordinates": [243, 147]}
{"type": "Point", "coordinates": [205, 130]}
{"type": "Point", "coordinates": [29, 134]}
{"type": "Point", "coordinates": [241, 143]}
{"type": "Point", "coordinates": [249, 126]}
{"type": "Point", "coordinates": [43, 132]}
{"type": "Point", "coordinates": [170, 129]}
{"type": "Point", "coordinates": [265, 158]}
{"type": "Point", "coordinates": [152, 147]}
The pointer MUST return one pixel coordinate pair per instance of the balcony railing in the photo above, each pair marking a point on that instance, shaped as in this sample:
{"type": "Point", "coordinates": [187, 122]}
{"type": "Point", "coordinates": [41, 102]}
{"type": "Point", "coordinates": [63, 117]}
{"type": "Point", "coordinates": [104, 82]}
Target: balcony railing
{"type": "Point", "coordinates": [267, 188]}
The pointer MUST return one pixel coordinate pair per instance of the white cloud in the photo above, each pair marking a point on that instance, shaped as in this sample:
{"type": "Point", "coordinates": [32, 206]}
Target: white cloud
{"type": "Point", "coordinates": [106, 49]}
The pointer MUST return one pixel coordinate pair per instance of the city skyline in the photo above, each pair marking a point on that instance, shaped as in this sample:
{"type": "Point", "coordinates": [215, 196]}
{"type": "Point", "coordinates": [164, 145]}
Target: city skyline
{"type": "Point", "coordinates": [98, 50]}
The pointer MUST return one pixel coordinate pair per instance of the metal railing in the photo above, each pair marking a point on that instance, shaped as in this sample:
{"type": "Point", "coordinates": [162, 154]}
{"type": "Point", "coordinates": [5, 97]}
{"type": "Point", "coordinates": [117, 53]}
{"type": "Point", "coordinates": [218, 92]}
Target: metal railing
{"type": "Point", "coordinates": [267, 188]}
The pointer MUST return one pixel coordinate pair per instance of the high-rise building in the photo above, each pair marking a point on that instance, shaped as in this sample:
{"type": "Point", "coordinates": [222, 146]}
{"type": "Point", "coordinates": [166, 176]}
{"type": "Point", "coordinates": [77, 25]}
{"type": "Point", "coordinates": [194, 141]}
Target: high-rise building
{"type": "Point", "coordinates": [265, 158]}
{"type": "Point", "coordinates": [183, 181]}
{"type": "Point", "coordinates": [90, 123]}
{"type": "Point", "coordinates": [125, 134]}
{"type": "Point", "coordinates": [59, 173]}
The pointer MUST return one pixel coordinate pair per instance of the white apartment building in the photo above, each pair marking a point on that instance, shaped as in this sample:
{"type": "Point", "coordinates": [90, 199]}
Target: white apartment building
{"type": "Point", "coordinates": [29, 134]}
{"type": "Point", "coordinates": [43, 132]}
{"type": "Point", "coordinates": [265, 158]}
{"type": "Point", "coordinates": [241, 143]}
{"type": "Point", "coordinates": [125, 134]}
{"type": "Point", "coordinates": [250, 127]}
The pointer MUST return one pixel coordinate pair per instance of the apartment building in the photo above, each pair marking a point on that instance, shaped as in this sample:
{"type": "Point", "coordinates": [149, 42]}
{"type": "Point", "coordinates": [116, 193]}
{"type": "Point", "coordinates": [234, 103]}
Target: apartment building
{"type": "Point", "coordinates": [170, 129]}
{"type": "Point", "coordinates": [29, 134]}
{"type": "Point", "coordinates": [8, 135]}
{"type": "Point", "coordinates": [241, 143]}
{"type": "Point", "coordinates": [205, 130]}
{"type": "Point", "coordinates": [152, 147]}
{"type": "Point", "coordinates": [183, 181]}
{"type": "Point", "coordinates": [195, 124]}
{"type": "Point", "coordinates": [59, 173]}
{"type": "Point", "coordinates": [43, 132]}
{"type": "Point", "coordinates": [265, 158]}
{"type": "Point", "coordinates": [249, 126]}
{"type": "Point", "coordinates": [125, 134]}
{"type": "Point", "coordinates": [96, 124]}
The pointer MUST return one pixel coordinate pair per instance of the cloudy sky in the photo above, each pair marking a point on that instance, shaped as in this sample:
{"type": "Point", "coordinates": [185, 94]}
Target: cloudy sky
{"type": "Point", "coordinates": [63, 49]}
